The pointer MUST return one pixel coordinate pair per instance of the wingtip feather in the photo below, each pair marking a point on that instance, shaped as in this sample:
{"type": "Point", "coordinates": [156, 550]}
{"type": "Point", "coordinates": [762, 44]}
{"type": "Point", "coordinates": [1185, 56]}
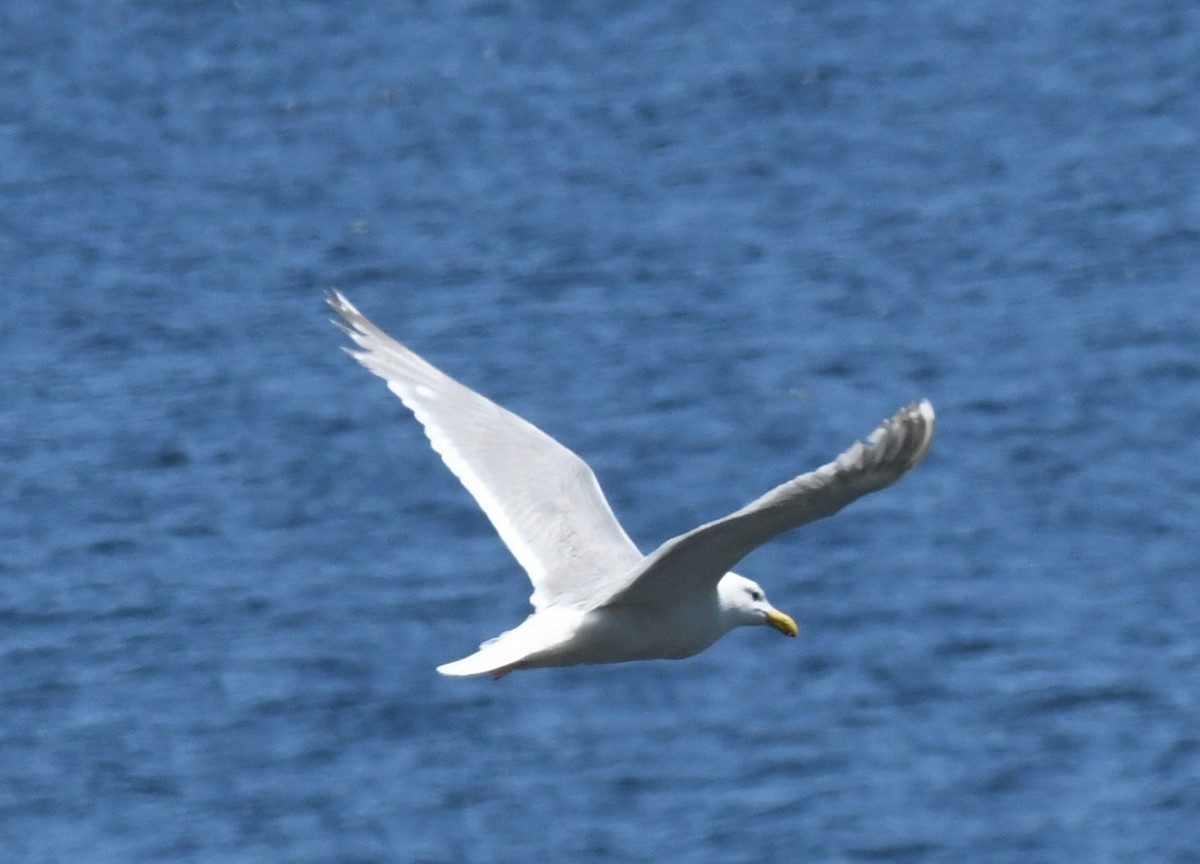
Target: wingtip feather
{"type": "Point", "coordinates": [927, 425]}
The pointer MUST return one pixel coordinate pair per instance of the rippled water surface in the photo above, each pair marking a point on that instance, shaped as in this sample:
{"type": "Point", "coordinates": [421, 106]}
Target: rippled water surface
{"type": "Point", "coordinates": [705, 245]}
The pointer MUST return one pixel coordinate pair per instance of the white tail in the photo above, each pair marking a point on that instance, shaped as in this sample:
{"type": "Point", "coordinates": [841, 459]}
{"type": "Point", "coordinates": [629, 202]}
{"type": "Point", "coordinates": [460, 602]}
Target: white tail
{"type": "Point", "coordinates": [485, 661]}
{"type": "Point", "coordinates": [537, 636]}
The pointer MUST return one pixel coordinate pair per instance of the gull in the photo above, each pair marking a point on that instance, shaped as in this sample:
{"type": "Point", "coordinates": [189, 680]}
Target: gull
{"type": "Point", "coordinates": [596, 597]}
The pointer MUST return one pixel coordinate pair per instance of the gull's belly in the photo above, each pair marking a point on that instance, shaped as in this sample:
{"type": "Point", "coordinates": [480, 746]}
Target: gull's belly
{"type": "Point", "coordinates": [620, 633]}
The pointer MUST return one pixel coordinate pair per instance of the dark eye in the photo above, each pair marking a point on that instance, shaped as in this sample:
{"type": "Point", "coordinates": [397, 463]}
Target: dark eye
{"type": "Point", "coordinates": [756, 595]}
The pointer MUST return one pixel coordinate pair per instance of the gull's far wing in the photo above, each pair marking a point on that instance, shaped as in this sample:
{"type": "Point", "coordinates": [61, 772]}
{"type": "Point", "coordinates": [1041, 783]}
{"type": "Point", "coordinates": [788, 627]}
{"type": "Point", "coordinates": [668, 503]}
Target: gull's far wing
{"type": "Point", "coordinates": [705, 554]}
{"type": "Point", "coordinates": [543, 500]}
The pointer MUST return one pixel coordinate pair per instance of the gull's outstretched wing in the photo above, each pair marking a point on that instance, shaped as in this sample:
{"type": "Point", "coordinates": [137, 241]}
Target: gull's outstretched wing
{"type": "Point", "coordinates": [543, 500]}
{"type": "Point", "coordinates": [703, 555]}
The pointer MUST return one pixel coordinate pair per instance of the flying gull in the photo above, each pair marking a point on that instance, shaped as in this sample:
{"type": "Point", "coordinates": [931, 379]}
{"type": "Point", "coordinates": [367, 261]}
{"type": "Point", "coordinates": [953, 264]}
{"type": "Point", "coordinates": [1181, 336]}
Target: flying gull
{"type": "Point", "coordinates": [596, 598]}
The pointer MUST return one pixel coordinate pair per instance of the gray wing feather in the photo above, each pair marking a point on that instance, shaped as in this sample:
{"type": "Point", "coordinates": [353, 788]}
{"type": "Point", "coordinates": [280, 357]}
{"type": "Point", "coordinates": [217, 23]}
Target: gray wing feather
{"type": "Point", "coordinates": [541, 498]}
{"type": "Point", "coordinates": [705, 554]}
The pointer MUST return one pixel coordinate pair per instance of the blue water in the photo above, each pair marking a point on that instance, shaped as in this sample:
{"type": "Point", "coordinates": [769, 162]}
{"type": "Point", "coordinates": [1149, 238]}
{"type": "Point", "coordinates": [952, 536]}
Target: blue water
{"type": "Point", "coordinates": [705, 245]}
